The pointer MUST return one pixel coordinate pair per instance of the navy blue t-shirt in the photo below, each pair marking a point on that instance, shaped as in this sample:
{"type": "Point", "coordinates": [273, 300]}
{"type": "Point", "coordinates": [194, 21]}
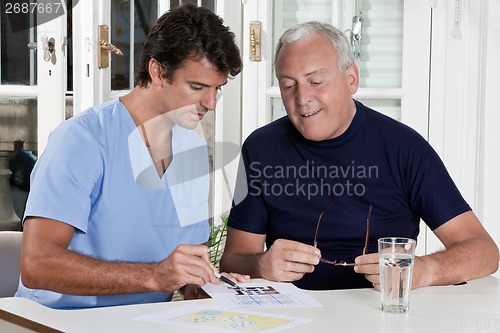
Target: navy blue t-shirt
{"type": "Point", "coordinates": [378, 161]}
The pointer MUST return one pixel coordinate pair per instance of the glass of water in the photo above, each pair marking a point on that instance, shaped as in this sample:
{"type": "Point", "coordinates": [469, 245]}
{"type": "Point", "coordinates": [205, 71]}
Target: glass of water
{"type": "Point", "coordinates": [396, 256]}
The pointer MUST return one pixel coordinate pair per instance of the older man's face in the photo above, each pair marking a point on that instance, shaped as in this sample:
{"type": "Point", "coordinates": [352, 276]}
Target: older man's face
{"type": "Point", "coordinates": [316, 94]}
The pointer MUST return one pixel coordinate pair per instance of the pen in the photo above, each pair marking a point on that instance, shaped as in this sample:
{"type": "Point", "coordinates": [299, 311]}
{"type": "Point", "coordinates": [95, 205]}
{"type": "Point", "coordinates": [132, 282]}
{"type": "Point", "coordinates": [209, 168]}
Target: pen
{"type": "Point", "coordinates": [226, 280]}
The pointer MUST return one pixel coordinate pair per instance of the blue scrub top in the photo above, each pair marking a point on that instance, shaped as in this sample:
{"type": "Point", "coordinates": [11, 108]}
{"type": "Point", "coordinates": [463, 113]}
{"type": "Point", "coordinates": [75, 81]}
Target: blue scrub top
{"type": "Point", "coordinates": [86, 178]}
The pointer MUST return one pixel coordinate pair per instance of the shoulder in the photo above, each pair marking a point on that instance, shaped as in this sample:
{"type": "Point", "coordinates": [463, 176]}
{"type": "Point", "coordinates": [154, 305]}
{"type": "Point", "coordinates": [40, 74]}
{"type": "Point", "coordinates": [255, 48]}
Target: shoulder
{"type": "Point", "coordinates": [385, 128]}
{"type": "Point", "coordinates": [89, 133]}
{"type": "Point", "coordinates": [99, 116]}
{"type": "Point", "coordinates": [93, 123]}
{"type": "Point", "coordinates": [280, 129]}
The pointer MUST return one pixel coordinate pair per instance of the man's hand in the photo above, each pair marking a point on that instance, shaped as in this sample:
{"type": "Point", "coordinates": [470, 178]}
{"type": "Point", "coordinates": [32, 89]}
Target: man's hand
{"type": "Point", "coordinates": [285, 260]}
{"type": "Point", "coordinates": [288, 260]}
{"type": "Point", "coordinates": [190, 292]}
{"type": "Point", "coordinates": [470, 253]}
{"type": "Point", "coordinates": [186, 265]}
{"type": "Point", "coordinates": [236, 278]}
{"type": "Point", "coordinates": [367, 264]}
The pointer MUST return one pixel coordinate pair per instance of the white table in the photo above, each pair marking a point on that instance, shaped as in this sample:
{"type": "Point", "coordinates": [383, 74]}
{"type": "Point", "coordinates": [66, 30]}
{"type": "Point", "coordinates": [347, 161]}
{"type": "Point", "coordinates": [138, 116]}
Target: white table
{"type": "Point", "coordinates": [473, 307]}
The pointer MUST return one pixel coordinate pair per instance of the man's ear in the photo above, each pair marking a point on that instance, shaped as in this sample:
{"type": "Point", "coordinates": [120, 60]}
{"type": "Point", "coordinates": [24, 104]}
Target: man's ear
{"type": "Point", "coordinates": [353, 78]}
{"type": "Point", "coordinates": [155, 72]}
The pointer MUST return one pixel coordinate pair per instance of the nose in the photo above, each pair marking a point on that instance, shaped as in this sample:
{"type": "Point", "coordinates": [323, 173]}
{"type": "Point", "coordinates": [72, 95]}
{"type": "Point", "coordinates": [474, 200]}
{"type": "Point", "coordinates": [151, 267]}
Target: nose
{"type": "Point", "coordinates": [303, 95]}
{"type": "Point", "coordinates": [210, 100]}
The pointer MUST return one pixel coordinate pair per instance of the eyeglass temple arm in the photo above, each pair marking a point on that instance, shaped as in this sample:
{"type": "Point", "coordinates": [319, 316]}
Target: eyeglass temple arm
{"type": "Point", "coordinates": [315, 243]}
{"type": "Point", "coordinates": [365, 249]}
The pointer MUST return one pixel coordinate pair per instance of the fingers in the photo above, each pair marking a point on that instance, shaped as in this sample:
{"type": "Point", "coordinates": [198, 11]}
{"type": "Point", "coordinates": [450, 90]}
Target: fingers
{"type": "Point", "coordinates": [297, 252]}
{"type": "Point", "coordinates": [298, 246]}
{"type": "Point", "coordinates": [235, 277]}
{"type": "Point", "coordinates": [371, 258]}
{"type": "Point", "coordinates": [288, 260]}
{"type": "Point", "coordinates": [368, 265]}
{"type": "Point", "coordinates": [187, 264]}
{"type": "Point", "coordinates": [194, 250]}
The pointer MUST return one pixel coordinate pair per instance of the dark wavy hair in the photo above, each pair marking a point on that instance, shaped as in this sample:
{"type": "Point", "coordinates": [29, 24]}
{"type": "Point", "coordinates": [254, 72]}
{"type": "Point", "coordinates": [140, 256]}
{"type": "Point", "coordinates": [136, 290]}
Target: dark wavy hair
{"type": "Point", "coordinates": [189, 32]}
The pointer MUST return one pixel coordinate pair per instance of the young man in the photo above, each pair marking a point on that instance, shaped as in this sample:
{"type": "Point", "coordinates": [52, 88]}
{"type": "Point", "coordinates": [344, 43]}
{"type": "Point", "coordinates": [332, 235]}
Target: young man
{"type": "Point", "coordinates": [109, 218]}
{"type": "Point", "coordinates": [317, 177]}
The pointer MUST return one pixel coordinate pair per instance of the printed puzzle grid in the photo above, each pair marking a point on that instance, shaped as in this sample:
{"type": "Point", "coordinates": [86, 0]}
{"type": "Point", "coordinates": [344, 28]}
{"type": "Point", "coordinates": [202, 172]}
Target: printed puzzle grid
{"type": "Point", "coordinates": [260, 295]}
{"type": "Point", "coordinates": [218, 320]}
{"type": "Point", "coordinates": [231, 320]}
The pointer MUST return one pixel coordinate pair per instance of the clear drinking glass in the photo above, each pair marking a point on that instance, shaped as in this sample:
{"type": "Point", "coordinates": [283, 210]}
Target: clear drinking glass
{"type": "Point", "coordinates": [396, 257]}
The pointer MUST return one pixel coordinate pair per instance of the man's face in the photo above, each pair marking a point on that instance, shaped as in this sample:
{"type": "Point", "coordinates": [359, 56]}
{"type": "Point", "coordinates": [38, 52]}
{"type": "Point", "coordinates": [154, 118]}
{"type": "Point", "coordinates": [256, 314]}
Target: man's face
{"type": "Point", "coordinates": [316, 94]}
{"type": "Point", "coordinates": [191, 93]}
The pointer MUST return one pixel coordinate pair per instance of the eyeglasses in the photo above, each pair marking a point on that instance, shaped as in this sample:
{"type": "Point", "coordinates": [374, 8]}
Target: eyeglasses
{"type": "Point", "coordinates": [335, 262]}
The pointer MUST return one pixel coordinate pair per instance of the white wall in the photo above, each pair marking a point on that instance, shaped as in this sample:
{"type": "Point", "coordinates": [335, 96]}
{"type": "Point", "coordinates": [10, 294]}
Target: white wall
{"type": "Point", "coordinates": [489, 209]}
{"type": "Point", "coordinates": [463, 121]}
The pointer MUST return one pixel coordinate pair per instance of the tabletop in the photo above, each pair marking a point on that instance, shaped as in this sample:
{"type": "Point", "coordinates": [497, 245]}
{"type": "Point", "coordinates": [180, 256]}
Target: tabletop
{"type": "Point", "coordinates": [471, 307]}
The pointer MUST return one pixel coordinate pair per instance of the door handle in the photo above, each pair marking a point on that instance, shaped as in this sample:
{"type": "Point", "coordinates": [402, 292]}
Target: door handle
{"type": "Point", "coordinates": [110, 47]}
{"type": "Point", "coordinates": [49, 48]}
{"type": "Point", "coordinates": [105, 47]}
{"type": "Point", "coordinates": [255, 41]}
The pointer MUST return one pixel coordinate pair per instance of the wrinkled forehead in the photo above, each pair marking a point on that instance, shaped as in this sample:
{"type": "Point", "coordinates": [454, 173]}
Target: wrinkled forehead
{"type": "Point", "coordinates": [314, 50]}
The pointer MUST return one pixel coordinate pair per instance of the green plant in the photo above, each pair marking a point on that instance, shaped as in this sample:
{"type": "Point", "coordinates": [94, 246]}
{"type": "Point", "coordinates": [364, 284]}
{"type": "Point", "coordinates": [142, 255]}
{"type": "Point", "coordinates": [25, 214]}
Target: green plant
{"type": "Point", "coordinates": [217, 240]}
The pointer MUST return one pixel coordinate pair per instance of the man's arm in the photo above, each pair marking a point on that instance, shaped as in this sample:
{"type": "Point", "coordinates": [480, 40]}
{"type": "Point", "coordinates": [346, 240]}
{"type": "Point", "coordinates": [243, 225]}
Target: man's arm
{"type": "Point", "coordinates": [285, 260]}
{"type": "Point", "coordinates": [46, 263]}
{"type": "Point", "coordinates": [470, 254]}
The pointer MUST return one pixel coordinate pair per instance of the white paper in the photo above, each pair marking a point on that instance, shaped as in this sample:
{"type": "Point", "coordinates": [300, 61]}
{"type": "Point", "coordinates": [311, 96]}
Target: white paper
{"type": "Point", "coordinates": [200, 317]}
{"type": "Point", "coordinates": [260, 294]}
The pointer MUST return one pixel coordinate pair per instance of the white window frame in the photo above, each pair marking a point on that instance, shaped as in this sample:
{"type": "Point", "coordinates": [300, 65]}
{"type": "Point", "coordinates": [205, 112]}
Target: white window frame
{"type": "Point", "coordinates": [52, 80]}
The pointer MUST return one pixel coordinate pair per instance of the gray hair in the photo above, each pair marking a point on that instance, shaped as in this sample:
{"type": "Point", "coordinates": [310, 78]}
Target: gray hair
{"type": "Point", "coordinates": [304, 30]}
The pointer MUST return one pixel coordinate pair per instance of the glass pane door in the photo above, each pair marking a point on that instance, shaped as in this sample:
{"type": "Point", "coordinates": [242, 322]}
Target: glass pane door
{"type": "Point", "coordinates": [130, 24]}
{"type": "Point", "coordinates": [378, 47]}
{"type": "Point", "coordinates": [18, 112]}
{"type": "Point", "coordinates": [18, 73]}
{"type": "Point", "coordinates": [33, 51]}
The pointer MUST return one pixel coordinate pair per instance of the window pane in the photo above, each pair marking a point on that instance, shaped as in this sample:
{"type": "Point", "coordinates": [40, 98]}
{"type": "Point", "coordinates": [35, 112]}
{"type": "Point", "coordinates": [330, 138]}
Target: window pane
{"type": "Point", "coordinates": [18, 61]}
{"type": "Point", "coordinates": [177, 3]}
{"type": "Point", "coordinates": [210, 4]}
{"type": "Point", "coordinates": [289, 13]}
{"type": "Point", "coordinates": [18, 122]}
{"type": "Point", "coordinates": [145, 14]}
{"type": "Point", "coordinates": [381, 60]}
{"type": "Point", "coordinates": [69, 52]}
{"type": "Point", "coordinates": [389, 107]}
{"type": "Point", "coordinates": [277, 108]}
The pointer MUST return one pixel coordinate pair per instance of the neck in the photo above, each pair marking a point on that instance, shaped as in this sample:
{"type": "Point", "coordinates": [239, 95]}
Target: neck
{"type": "Point", "coordinates": [141, 105]}
{"type": "Point", "coordinates": [154, 126]}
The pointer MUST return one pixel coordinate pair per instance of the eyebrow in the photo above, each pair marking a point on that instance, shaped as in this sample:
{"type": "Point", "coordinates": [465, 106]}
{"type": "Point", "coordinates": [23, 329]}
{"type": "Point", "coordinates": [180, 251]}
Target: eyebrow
{"type": "Point", "coordinates": [316, 71]}
{"type": "Point", "coordinates": [204, 84]}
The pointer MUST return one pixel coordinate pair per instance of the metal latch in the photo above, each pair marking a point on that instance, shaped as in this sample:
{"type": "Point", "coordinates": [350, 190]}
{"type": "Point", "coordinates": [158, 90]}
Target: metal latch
{"type": "Point", "coordinates": [355, 35]}
{"type": "Point", "coordinates": [105, 47]}
{"type": "Point", "coordinates": [255, 41]}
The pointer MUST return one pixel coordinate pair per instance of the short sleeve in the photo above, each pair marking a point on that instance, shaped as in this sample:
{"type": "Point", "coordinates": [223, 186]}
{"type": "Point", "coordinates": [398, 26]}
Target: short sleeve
{"type": "Point", "coordinates": [65, 176]}
{"type": "Point", "coordinates": [433, 194]}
